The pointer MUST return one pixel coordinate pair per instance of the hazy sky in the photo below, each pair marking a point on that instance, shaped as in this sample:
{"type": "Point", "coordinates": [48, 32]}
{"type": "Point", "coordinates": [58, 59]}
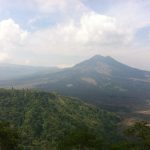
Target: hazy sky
{"type": "Point", "coordinates": [64, 32]}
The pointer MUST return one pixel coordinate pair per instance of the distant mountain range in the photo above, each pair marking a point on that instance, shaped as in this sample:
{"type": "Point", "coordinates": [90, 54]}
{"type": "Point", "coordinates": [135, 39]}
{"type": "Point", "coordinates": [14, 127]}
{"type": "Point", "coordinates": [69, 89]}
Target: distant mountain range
{"type": "Point", "coordinates": [12, 71]}
{"type": "Point", "coordinates": [100, 80]}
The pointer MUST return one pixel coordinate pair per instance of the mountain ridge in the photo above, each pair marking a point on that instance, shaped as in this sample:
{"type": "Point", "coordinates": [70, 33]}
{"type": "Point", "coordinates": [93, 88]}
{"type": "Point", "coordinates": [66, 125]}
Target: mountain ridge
{"type": "Point", "coordinates": [14, 71]}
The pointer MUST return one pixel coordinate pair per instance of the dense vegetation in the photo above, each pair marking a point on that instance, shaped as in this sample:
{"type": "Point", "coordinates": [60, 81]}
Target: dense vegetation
{"type": "Point", "coordinates": [35, 120]}
{"type": "Point", "coordinates": [9, 137]}
{"type": "Point", "coordinates": [48, 120]}
{"type": "Point", "coordinates": [137, 137]}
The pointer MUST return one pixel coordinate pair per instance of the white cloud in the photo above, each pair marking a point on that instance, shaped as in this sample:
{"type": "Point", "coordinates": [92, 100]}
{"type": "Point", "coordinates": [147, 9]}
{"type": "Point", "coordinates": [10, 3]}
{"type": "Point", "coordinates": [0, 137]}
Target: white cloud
{"type": "Point", "coordinates": [101, 29]}
{"type": "Point", "coordinates": [51, 5]}
{"type": "Point", "coordinates": [4, 57]}
{"type": "Point", "coordinates": [48, 6]}
{"type": "Point", "coordinates": [93, 30]}
{"type": "Point", "coordinates": [12, 38]}
{"type": "Point", "coordinates": [11, 35]}
{"type": "Point", "coordinates": [134, 13]}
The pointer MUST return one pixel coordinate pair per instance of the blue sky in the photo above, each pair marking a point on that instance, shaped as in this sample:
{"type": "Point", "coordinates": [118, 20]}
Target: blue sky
{"type": "Point", "coordinates": [65, 32]}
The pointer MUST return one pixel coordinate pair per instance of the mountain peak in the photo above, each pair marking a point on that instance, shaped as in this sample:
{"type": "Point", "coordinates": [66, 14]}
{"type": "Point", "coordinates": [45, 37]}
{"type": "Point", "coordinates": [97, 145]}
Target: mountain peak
{"type": "Point", "coordinates": [98, 64]}
{"type": "Point", "coordinates": [100, 57]}
{"type": "Point", "coordinates": [92, 62]}
{"type": "Point", "coordinates": [105, 65]}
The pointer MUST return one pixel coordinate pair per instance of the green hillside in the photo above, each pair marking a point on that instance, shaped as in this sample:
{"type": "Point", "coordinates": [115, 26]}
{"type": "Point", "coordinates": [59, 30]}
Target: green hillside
{"type": "Point", "coordinates": [45, 119]}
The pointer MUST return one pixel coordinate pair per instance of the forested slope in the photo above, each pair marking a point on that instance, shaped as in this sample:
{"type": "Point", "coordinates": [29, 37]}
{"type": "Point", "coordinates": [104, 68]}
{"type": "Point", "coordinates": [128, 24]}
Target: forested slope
{"type": "Point", "coordinates": [44, 119]}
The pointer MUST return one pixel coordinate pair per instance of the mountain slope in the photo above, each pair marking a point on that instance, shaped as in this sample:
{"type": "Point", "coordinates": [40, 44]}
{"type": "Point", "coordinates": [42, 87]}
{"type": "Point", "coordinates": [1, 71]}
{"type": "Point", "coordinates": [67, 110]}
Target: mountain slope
{"type": "Point", "coordinates": [102, 80]}
{"type": "Point", "coordinates": [47, 117]}
{"type": "Point", "coordinates": [99, 80]}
